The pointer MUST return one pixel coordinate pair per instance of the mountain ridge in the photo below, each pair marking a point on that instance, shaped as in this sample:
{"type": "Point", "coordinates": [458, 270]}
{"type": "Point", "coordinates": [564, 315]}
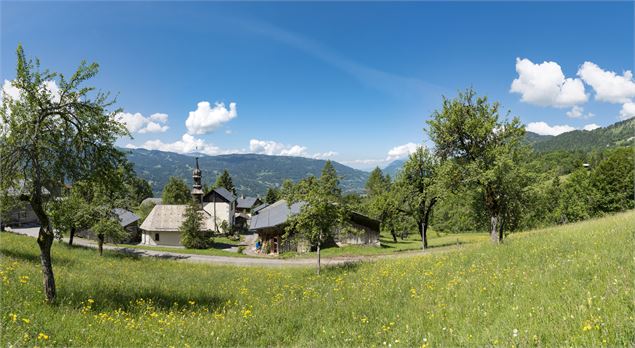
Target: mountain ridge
{"type": "Point", "coordinates": [252, 174]}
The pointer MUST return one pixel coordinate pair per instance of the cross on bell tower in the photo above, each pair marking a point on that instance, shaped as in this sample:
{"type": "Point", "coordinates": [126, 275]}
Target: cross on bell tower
{"type": "Point", "coordinates": [197, 188]}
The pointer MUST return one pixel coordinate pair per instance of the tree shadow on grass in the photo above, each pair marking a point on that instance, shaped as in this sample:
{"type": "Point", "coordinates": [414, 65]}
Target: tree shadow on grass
{"type": "Point", "coordinates": [35, 258]}
{"type": "Point", "coordinates": [139, 299]}
{"type": "Point", "coordinates": [350, 266]}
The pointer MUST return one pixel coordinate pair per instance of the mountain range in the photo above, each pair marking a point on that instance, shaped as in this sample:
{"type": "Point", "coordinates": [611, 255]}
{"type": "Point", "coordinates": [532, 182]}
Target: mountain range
{"type": "Point", "coordinates": [252, 174]}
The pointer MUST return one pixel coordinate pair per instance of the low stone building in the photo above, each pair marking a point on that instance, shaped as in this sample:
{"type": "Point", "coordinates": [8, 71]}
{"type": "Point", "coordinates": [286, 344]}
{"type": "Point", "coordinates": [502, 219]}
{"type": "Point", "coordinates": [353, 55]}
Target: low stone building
{"type": "Point", "coordinates": [270, 223]}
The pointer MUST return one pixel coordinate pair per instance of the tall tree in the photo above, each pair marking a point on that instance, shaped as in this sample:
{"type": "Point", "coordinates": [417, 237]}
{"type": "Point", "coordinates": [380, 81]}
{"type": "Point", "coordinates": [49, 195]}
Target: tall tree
{"type": "Point", "coordinates": [612, 179]}
{"type": "Point", "coordinates": [417, 188]}
{"type": "Point", "coordinates": [72, 212]}
{"type": "Point", "coordinates": [482, 150]}
{"type": "Point", "coordinates": [50, 135]}
{"type": "Point", "coordinates": [225, 180]}
{"type": "Point", "coordinates": [273, 195]}
{"type": "Point", "coordinates": [322, 211]}
{"type": "Point", "coordinates": [377, 183]}
{"type": "Point", "coordinates": [176, 191]}
{"type": "Point", "coordinates": [192, 233]}
{"type": "Point", "coordinates": [107, 227]}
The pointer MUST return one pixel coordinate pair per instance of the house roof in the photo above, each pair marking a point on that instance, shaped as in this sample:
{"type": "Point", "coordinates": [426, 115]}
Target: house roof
{"type": "Point", "coordinates": [126, 217]}
{"type": "Point", "coordinates": [21, 189]}
{"type": "Point", "coordinates": [274, 215]}
{"type": "Point", "coordinates": [246, 202]}
{"type": "Point", "coordinates": [222, 192]}
{"type": "Point", "coordinates": [259, 208]}
{"type": "Point", "coordinates": [169, 217]}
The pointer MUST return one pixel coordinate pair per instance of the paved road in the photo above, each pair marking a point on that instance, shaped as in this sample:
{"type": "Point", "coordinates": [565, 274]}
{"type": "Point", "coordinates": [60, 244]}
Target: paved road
{"type": "Point", "coordinates": [237, 261]}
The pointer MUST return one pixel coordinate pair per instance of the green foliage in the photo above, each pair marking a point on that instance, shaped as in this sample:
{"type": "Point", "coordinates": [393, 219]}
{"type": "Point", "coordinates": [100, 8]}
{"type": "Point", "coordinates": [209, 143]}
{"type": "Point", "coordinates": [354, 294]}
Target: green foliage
{"type": "Point", "coordinates": [192, 233]}
{"type": "Point", "coordinates": [486, 296]}
{"type": "Point", "coordinates": [109, 229]}
{"type": "Point", "coordinates": [48, 137]}
{"type": "Point", "coordinates": [225, 180]}
{"type": "Point", "coordinates": [323, 211]}
{"type": "Point", "coordinates": [377, 183]}
{"type": "Point", "coordinates": [176, 192]}
{"type": "Point", "coordinates": [612, 180]}
{"type": "Point", "coordinates": [273, 195]}
{"type": "Point", "coordinates": [139, 189]}
{"type": "Point", "coordinates": [482, 152]}
{"type": "Point", "coordinates": [144, 210]}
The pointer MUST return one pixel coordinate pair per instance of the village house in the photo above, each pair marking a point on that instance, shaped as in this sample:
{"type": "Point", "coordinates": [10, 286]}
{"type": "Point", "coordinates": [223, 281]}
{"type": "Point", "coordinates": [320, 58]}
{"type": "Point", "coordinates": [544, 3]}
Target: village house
{"type": "Point", "coordinates": [269, 223]}
{"type": "Point", "coordinates": [244, 209]}
{"type": "Point", "coordinates": [21, 213]}
{"type": "Point", "coordinates": [217, 207]}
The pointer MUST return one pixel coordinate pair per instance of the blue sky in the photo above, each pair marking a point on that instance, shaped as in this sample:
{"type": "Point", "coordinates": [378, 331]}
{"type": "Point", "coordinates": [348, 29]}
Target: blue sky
{"type": "Point", "coordinates": [354, 82]}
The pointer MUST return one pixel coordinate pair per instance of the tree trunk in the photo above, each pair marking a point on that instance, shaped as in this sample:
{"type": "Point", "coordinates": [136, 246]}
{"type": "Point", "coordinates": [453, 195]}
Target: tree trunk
{"type": "Point", "coordinates": [45, 241]}
{"type": "Point", "coordinates": [494, 229]}
{"type": "Point", "coordinates": [393, 234]}
{"type": "Point", "coordinates": [100, 243]}
{"type": "Point", "coordinates": [318, 259]}
{"type": "Point", "coordinates": [424, 239]}
{"type": "Point", "coordinates": [71, 236]}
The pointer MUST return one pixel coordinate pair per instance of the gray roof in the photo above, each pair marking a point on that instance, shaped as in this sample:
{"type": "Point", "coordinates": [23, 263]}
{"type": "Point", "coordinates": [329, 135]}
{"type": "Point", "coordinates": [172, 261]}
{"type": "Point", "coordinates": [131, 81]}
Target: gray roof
{"type": "Point", "coordinates": [169, 217]}
{"type": "Point", "coordinates": [259, 208]}
{"type": "Point", "coordinates": [274, 215]}
{"type": "Point", "coordinates": [247, 202]}
{"type": "Point", "coordinates": [21, 189]}
{"type": "Point", "coordinates": [126, 217]}
{"type": "Point", "coordinates": [225, 194]}
{"type": "Point", "coordinates": [152, 200]}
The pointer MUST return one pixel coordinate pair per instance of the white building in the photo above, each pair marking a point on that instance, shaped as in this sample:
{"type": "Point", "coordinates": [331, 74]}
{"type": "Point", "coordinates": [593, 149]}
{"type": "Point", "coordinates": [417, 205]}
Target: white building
{"type": "Point", "coordinates": [161, 226]}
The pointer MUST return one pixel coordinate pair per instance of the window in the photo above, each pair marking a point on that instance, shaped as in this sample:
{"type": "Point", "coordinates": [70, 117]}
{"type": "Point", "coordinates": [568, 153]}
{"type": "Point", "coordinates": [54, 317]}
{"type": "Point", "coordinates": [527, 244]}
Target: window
{"type": "Point", "coordinates": [156, 237]}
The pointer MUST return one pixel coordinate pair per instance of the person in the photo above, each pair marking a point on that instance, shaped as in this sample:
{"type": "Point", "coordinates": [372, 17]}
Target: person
{"type": "Point", "coordinates": [258, 246]}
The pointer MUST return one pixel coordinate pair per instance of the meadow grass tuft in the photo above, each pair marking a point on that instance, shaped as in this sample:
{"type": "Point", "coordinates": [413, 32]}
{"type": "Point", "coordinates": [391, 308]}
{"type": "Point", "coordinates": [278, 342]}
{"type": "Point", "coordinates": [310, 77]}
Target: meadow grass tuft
{"type": "Point", "coordinates": [568, 285]}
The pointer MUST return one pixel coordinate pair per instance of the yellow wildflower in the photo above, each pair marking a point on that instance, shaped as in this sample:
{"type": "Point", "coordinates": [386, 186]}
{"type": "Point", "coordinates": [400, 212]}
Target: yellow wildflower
{"type": "Point", "coordinates": [42, 336]}
{"type": "Point", "coordinates": [13, 317]}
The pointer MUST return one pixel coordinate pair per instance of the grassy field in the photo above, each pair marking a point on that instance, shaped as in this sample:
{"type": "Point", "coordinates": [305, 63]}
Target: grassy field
{"type": "Point", "coordinates": [571, 285]}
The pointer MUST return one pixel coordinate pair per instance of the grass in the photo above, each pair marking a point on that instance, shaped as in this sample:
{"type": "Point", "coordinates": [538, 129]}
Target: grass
{"type": "Point", "coordinates": [220, 243]}
{"type": "Point", "coordinates": [389, 246]}
{"type": "Point", "coordinates": [571, 285]}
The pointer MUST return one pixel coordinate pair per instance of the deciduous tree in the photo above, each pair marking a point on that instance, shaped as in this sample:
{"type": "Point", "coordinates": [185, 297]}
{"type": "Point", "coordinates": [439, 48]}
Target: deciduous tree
{"type": "Point", "coordinates": [50, 135]}
{"type": "Point", "coordinates": [176, 191]}
{"type": "Point", "coordinates": [322, 211]}
{"type": "Point", "coordinates": [482, 150]}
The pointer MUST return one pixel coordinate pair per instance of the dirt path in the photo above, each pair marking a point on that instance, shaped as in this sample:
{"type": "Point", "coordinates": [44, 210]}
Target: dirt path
{"type": "Point", "coordinates": [241, 261]}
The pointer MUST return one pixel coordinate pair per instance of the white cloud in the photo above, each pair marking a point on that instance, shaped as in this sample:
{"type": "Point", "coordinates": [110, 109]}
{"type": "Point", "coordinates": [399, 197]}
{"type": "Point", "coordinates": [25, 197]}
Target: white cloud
{"type": "Point", "coordinates": [545, 85]}
{"type": "Point", "coordinates": [402, 151]}
{"type": "Point", "coordinates": [590, 127]}
{"type": "Point", "coordinates": [187, 144]}
{"type": "Point", "coordinates": [269, 147]}
{"type": "Point", "coordinates": [608, 86]}
{"type": "Point", "coordinates": [206, 118]}
{"type": "Point", "coordinates": [628, 111]}
{"type": "Point", "coordinates": [137, 123]}
{"type": "Point", "coordinates": [543, 128]}
{"type": "Point", "coordinates": [14, 93]}
{"type": "Point", "coordinates": [323, 155]}
{"type": "Point", "coordinates": [578, 112]}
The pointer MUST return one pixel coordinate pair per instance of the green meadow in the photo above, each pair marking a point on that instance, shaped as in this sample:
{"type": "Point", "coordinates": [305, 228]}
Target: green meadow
{"type": "Point", "coordinates": [570, 285]}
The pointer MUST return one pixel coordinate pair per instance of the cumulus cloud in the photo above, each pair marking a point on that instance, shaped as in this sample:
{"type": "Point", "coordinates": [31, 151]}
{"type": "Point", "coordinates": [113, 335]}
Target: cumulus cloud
{"type": "Point", "coordinates": [207, 118]}
{"type": "Point", "coordinates": [14, 93]}
{"type": "Point", "coordinates": [628, 111]}
{"type": "Point", "coordinates": [269, 147]}
{"type": "Point", "coordinates": [590, 127]}
{"type": "Point", "coordinates": [608, 86]}
{"type": "Point", "coordinates": [545, 85]}
{"type": "Point", "coordinates": [578, 112]}
{"type": "Point", "coordinates": [543, 128]}
{"type": "Point", "coordinates": [402, 151]}
{"type": "Point", "coordinates": [187, 144]}
{"type": "Point", "coordinates": [137, 123]}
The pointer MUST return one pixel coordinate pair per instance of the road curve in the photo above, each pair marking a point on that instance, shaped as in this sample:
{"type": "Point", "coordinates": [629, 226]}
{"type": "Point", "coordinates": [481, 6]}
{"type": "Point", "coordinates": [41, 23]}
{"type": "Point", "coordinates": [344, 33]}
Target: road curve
{"type": "Point", "coordinates": [239, 261]}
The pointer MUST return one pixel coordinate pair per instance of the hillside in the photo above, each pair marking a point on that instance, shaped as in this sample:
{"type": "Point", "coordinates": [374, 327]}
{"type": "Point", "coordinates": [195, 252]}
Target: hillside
{"type": "Point", "coordinates": [252, 174]}
{"type": "Point", "coordinates": [393, 168]}
{"type": "Point", "coordinates": [569, 285]}
{"type": "Point", "coordinates": [618, 134]}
